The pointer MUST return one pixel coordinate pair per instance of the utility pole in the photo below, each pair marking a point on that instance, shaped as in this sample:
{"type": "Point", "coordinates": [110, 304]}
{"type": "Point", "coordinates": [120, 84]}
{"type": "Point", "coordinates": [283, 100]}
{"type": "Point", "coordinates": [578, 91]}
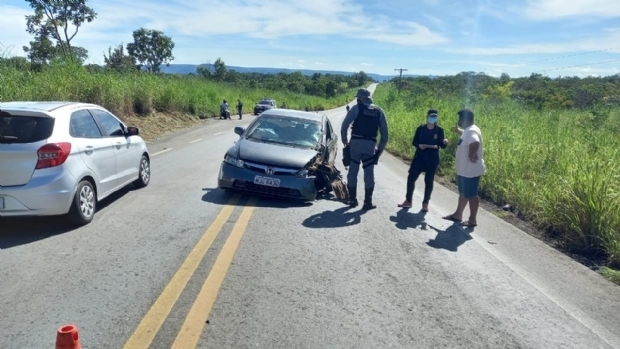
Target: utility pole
{"type": "Point", "coordinates": [401, 70]}
{"type": "Point", "coordinates": [400, 77]}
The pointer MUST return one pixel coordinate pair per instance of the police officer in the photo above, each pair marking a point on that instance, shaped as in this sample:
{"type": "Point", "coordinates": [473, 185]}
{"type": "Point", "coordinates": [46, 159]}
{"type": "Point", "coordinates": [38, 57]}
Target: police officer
{"type": "Point", "coordinates": [367, 119]}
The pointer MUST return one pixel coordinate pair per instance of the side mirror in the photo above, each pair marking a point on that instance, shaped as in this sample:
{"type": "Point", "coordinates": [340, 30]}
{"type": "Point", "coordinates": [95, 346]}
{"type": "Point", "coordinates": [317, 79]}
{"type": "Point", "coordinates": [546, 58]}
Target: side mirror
{"type": "Point", "coordinates": [133, 131]}
{"type": "Point", "coordinates": [239, 130]}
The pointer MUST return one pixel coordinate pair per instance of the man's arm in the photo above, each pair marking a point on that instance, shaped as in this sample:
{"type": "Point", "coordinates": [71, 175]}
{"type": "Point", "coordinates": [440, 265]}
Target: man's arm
{"type": "Point", "coordinates": [416, 138]}
{"type": "Point", "coordinates": [348, 120]}
{"type": "Point", "coordinates": [442, 136]}
{"type": "Point", "coordinates": [474, 145]}
{"type": "Point", "coordinates": [383, 128]}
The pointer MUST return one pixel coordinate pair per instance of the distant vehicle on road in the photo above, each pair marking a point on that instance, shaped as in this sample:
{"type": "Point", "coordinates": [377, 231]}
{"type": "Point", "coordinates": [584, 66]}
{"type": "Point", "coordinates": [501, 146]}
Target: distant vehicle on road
{"type": "Point", "coordinates": [60, 158]}
{"type": "Point", "coordinates": [264, 104]}
{"type": "Point", "coordinates": [273, 155]}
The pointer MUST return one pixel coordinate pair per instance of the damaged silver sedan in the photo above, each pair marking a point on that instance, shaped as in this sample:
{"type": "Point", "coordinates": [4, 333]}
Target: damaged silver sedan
{"type": "Point", "coordinates": [283, 153]}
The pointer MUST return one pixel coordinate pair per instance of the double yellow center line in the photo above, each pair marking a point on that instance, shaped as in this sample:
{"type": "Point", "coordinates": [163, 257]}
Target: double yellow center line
{"type": "Point", "coordinates": [193, 326]}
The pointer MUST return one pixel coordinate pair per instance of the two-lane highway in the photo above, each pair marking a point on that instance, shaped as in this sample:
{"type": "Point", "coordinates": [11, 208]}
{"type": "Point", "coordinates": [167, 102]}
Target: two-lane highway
{"type": "Point", "coordinates": [181, 264]}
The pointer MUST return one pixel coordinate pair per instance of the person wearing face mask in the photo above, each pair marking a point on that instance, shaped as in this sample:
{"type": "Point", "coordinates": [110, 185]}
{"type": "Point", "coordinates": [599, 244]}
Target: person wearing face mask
{"type": "Point", "coordinates": [367, 120]}
{"type": "Point", "coordinates": [427, 141]}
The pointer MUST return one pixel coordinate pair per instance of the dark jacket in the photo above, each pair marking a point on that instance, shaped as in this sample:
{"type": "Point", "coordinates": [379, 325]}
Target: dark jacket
{"type": "Point", "coordinates": [427, 158]}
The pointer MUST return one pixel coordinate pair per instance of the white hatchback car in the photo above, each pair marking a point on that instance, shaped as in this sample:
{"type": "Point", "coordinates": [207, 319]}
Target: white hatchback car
{"type": "Point", "coordinates": [60, 158]}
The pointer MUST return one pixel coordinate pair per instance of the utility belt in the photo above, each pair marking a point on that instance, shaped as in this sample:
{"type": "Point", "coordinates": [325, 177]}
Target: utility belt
{"type": "Point", "coordinates": [374, 139]}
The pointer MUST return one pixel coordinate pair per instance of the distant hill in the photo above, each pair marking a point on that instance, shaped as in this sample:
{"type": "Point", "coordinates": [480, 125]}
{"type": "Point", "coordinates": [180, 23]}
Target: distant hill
{"type": "Point", "coordinates": [185, 69]}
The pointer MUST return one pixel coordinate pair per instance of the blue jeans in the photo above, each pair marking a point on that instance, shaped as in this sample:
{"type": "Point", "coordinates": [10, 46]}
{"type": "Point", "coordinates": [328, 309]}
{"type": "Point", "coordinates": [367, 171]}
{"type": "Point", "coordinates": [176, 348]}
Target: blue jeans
{"type": "Point", "coordinates": [468, 187]}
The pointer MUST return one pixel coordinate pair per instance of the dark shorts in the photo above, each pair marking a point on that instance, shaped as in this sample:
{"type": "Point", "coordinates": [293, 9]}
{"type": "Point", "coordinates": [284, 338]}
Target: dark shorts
{"type": "Point", "coordinates": [468, 186]}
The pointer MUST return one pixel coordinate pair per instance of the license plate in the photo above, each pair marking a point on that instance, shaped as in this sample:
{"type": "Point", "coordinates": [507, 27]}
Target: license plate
{"type": "Point", "coordinates": [267, 181]}
{"type": "Point", "coordinates": [1, 203]}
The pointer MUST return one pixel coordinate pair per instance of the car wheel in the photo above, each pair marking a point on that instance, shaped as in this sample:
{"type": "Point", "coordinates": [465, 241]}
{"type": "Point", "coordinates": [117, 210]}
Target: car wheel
{"type": "Point", "coordinates": [144, 173]}
{"type": "Point", "coordinates": [84, 204]}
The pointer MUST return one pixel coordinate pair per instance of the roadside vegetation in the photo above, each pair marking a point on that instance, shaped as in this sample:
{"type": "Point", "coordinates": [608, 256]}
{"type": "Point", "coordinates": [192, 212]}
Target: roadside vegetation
{"type": "Point", "coordinates": [130, 83]}
{"type": "Point", "coordinates": [551, 148]}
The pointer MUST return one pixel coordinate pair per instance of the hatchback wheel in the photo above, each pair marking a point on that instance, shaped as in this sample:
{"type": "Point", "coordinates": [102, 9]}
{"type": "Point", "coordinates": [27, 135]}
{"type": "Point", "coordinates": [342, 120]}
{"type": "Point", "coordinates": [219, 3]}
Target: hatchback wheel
{"type": "Point", "coordinates": [144, 173]}
{"type": "Point", "coordinates": [84, 204]}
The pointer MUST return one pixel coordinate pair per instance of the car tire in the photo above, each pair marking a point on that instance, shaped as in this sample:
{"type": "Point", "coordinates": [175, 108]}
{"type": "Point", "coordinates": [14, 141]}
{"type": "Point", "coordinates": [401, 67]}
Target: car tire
{"type": "Point", "coordinates": [144, 173]}
{"type": "Point", "coordinates": [84, 204]}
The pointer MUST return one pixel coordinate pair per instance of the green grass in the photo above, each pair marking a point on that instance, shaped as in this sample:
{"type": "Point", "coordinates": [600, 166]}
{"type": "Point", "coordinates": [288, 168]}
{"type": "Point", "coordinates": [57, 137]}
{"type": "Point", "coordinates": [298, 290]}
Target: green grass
{"type": "Point", "coordinates": [610, 274]}
{"type": "Point", "coordinates": [140, 93]}
{"type": "Point", "coordinates": [560, 169]}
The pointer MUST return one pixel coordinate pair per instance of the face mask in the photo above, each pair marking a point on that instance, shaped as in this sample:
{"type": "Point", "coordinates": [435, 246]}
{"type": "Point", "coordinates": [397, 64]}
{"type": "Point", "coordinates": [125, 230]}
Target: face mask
{"type": "Point", "coordinates": [432, 119]}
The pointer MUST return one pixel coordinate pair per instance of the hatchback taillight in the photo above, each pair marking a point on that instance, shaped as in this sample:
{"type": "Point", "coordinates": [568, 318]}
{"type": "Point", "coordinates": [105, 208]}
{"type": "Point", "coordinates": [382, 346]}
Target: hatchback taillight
{"type": "Point", "coordinates": [53, 154]}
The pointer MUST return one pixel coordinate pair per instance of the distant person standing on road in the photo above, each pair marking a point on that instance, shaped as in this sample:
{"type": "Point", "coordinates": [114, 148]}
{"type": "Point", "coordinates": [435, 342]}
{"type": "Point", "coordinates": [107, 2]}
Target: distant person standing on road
{"type": "Point", "coordinates": [469, 167]}
{"type": "Point", "coordinates": [239, 107]}
{"type": "Point", "coordinates": [427, 140]}
{"type": "Point", "coordinates": [367, 119]}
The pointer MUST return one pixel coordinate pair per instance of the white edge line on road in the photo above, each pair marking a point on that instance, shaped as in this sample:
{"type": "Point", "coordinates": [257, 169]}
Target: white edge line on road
{"type": "Point", "coordinates": [195, 140]}
{"type": "Point", "coordinates": [161, 152]}
{"type": "Point", "coordinates": [572, 310]}
{"type": "Point", "coordinates": [219, 133]}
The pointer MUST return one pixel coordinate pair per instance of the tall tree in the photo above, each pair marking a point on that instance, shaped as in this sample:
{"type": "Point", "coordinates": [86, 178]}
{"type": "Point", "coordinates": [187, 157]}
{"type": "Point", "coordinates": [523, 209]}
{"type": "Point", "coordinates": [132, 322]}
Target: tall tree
{"type": "Point", "coordinates": [52, 20]}
{"type": "Point", "coordinates": [118, 60]}
{"type": "Point", "coordinates": [151, 48]}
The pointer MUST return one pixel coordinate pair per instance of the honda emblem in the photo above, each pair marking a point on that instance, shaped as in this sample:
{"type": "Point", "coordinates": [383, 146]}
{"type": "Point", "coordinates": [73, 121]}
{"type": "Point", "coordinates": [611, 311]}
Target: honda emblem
{"type": "Point", "coordinates": [269, 170]}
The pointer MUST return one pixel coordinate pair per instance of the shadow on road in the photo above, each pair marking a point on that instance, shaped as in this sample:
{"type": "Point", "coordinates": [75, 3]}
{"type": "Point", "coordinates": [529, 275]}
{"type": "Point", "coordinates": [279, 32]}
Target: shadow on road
{"type": "Point", "coordinates": [334, 219]}
{"type": "Point", "coordinates": [405, 220]}
{"type": "Point", "coordinates": [217, 196]}
{"type": "Point", "coordinates": [222, 197]}
{"type": "Point", "coordinates": [281, 203]}
{"type": "Point", "coordinates": [16, 231]}
{"type": "Point", "coordinates": [449, 239]}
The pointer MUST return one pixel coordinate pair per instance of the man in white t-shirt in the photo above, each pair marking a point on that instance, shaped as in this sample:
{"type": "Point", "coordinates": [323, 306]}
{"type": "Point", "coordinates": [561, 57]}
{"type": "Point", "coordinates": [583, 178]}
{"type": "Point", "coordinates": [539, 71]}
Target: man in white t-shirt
{"type": "Point", "coordinates": [469, 167]}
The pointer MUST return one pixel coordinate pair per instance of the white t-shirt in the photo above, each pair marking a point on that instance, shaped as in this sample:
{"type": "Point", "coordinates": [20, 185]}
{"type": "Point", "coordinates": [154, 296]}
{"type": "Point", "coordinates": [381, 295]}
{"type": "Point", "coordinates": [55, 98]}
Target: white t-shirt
{"type": "Point", "coordinates": [464, 167]}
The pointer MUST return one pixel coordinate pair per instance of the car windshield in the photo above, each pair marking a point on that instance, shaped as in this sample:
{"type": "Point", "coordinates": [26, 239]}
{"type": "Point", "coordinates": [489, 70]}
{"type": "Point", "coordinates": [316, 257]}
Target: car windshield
{"type": "Point", "coordinates": [295, 132]}
{"type": "Point", "coordinates": [264, 102]}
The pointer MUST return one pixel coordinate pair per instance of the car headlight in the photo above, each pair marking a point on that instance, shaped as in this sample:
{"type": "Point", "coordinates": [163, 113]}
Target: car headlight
{"type": "Point", "coordinates": [303, 172]}
{"type": "Point", "coordinates": [234, 162]}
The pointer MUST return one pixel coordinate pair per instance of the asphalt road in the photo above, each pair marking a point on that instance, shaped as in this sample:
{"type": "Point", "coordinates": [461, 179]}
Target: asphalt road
{"type": "Point", "coordinates": [177, 265]}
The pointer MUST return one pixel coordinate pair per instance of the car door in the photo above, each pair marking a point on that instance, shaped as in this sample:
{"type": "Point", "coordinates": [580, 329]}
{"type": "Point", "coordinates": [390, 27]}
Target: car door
{"type": "Point", "coordinates": [331, 140]}
{"type": "Point", "coordinates": [96, 150]}
{"type": "Point", "coordinates": [127, 153]}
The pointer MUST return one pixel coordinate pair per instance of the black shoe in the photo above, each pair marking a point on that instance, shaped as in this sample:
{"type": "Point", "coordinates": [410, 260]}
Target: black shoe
{"type": "Point", "coordinates": [368, 199]}
{"type": "Point", "coordinates": [352, 197]}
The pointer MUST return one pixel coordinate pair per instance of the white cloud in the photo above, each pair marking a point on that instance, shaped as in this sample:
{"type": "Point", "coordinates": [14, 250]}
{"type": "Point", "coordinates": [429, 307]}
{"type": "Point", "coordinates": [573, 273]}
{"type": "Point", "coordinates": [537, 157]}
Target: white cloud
{"type": "Point", "coordinates": [554, 9]}
{"type": "Point", "coordinates": [260, 19]}
{"type": "Point", "coordinates": [609, 42]}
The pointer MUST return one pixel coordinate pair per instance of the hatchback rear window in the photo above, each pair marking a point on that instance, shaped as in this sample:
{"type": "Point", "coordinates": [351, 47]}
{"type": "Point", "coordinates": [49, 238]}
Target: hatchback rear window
{"type": "Point", "coordinates": [24, 129]}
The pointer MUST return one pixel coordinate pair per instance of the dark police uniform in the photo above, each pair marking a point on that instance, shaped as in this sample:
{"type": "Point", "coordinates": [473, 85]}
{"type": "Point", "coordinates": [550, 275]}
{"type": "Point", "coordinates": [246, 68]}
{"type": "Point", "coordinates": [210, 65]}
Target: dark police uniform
{"type": "Point", "coordinates": [367, 120]}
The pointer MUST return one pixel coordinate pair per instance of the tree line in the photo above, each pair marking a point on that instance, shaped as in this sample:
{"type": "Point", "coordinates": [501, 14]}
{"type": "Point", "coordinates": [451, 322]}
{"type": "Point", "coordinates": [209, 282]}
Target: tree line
{"type": "Point", "coordinates": [537, 91]}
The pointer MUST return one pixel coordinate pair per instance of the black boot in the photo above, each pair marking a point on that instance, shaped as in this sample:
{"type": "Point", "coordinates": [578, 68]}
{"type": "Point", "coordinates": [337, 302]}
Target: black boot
{"type": "Point", "coordinates": [368, 199]}
{"type": "Point", "coordinates": [352, 196]}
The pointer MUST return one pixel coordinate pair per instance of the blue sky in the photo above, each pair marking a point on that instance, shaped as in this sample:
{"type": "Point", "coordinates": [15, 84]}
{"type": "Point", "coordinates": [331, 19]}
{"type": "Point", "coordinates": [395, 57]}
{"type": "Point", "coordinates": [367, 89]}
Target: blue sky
{"type": "Point", "coordinates": [437, 37]}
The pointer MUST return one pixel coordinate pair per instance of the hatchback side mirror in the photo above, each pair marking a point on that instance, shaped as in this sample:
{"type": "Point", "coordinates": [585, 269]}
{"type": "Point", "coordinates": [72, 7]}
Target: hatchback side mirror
{"type": "Point", "coordinates": [239, 130]}
{"type": "Point", "coordinates": [133, 131]}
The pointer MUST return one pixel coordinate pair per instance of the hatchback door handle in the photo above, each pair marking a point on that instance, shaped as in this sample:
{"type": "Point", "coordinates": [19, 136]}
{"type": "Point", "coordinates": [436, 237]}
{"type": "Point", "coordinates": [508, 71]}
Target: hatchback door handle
{"type": "Point", "coordinates": [89, 149]}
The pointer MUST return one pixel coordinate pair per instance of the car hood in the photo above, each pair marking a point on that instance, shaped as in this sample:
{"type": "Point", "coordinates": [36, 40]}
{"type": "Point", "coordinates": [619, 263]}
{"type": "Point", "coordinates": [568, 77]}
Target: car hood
{"type": "Point", "coordinates": [273, 154]}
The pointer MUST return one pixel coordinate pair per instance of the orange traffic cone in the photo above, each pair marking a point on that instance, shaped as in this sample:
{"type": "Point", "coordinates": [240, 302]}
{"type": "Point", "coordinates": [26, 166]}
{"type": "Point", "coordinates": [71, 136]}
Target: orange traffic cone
{"type": "Point", "coordinates": [68, 338]}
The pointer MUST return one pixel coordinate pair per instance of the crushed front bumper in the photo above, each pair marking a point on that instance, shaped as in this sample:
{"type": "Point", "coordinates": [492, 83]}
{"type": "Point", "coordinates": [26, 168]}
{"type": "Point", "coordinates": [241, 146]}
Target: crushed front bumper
{"type": "Point", "coordinates": [248, 181]}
